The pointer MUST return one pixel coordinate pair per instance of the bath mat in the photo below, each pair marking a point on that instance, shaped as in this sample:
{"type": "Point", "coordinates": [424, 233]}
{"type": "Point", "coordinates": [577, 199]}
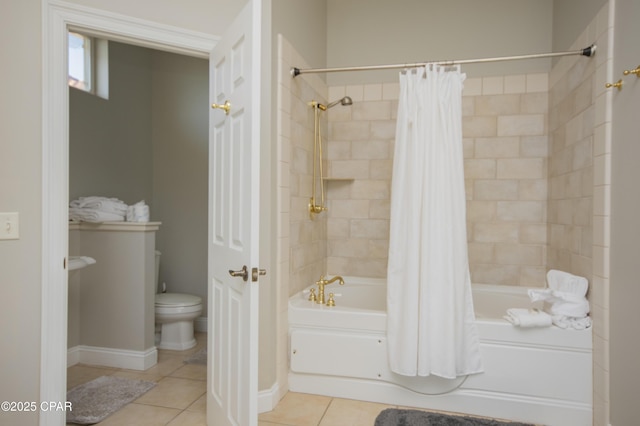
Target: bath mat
{"type": "Point", "coordinates": [199, 357]}
{"type": "Point", "coordinates": [95, 400]}
{"type": "Point", "coordinates": [399, 417]}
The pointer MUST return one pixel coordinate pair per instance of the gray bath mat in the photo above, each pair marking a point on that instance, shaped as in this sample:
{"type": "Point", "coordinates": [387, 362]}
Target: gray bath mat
{"type": "Point", "coordinates": [95, 400]}
{"type": "Point", "coordinates": [199, 357]}
{"type": "Point", "coordinates": [398, 417]}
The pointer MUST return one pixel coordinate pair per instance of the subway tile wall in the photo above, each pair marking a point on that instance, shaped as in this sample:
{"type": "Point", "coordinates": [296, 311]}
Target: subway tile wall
{"type": "Point", "coordinates": [505, 149]}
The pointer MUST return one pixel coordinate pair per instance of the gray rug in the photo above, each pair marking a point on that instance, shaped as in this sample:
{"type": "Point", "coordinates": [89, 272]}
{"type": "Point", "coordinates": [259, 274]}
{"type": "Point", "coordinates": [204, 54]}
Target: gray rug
{"type": "Point", "coordinates": [199, 357]}
{"type": "Point", "coordinates": [95, 400]}
{"type": "Point", "coordinates": [398, 417]}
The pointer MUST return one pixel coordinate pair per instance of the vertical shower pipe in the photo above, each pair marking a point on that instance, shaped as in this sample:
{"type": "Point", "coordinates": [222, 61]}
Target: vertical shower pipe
{"type": "Point", "coordinates": [317, 162]}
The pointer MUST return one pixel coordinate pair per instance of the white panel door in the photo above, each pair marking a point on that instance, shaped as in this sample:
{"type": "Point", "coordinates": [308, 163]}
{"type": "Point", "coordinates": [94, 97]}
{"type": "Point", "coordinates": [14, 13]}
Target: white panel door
{"type": "Point", "coordinates": [232, 374]}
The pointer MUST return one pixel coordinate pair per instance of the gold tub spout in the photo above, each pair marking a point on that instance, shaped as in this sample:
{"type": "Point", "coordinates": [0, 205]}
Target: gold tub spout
{"type": "Point", "coordinates": [323, 282]}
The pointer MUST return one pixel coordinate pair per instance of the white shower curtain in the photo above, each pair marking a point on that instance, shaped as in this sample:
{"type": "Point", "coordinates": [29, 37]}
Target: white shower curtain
{"type": "Point", "coordinates": [431, 324]}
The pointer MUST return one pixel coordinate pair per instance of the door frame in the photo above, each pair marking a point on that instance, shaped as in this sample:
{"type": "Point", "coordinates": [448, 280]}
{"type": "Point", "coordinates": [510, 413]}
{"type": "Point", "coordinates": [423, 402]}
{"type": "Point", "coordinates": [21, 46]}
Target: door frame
{"type": "Point", "coordinates": [57, 18]}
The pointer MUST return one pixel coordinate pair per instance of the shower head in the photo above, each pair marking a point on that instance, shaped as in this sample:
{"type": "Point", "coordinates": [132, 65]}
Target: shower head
{"type": "Point", "coordinates": [344, 102]}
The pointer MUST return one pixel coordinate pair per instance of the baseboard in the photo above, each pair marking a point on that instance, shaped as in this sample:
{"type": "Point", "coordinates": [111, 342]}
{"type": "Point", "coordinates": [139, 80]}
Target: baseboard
{"type": "Point", "coordinates": [201, 324]}
{"type": "Point", "coordinates": [108, 357]}
{"type": "Point", "coordinates": [73, 356]}
{"type": "Point", "coordinates": [268, 399]}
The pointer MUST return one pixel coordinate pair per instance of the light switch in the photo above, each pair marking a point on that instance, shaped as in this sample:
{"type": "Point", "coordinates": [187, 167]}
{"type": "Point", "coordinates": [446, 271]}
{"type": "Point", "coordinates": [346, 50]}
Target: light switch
{"type": "Point", "coordinates": [9, 226]}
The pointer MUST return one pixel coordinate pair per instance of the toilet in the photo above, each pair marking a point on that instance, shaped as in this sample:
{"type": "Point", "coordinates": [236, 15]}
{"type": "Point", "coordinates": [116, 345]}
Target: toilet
{"type": "Point", "coordinates": [175, 313]}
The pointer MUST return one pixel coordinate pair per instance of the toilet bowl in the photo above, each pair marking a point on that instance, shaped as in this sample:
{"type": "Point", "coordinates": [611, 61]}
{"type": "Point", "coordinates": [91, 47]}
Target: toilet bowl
{"type": "Point", "coordinates": [174, 315]}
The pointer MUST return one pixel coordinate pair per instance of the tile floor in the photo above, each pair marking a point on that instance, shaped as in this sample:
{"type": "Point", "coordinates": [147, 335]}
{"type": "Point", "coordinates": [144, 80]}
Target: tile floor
{"type": "Point", "coordinates": [179, 398]}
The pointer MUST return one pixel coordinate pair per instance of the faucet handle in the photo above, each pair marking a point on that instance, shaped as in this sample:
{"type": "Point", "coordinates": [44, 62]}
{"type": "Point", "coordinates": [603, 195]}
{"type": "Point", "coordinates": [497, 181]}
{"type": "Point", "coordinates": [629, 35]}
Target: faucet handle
{"type": "Point", "coordinates": [331, 301]}
{"type": "Point", "coordinates": [312, 295]}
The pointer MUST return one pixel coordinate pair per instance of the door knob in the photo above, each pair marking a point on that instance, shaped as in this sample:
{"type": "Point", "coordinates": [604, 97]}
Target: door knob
{"type": "Point", "coordinates": [255, 272]}
{"type": "Point", "coordinates": [226, 107]}
{"type": "Point", "coordinates": [244, 273]}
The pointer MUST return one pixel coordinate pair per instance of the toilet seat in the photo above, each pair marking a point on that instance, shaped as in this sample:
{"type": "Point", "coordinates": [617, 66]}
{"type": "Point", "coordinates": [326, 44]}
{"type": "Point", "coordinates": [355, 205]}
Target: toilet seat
{"type": "Point", "coordinates": [167, 300]}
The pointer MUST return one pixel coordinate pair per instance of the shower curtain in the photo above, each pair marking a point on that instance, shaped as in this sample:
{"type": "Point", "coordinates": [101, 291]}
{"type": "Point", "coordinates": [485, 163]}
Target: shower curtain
{"type": "Point", "coordinates": [431, 324]}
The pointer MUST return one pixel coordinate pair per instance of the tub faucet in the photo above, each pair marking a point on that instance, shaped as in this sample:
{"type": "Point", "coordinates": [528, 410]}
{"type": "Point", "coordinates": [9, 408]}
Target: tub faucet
{"type": "Point", "coordinates": [323, 282]}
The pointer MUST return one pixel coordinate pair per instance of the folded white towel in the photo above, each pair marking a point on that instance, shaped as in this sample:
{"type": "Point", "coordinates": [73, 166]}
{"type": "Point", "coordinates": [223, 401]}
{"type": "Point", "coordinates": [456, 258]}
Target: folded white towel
{"type": "Point", "coordinates": [92, 215]}
{"type": "Point", "coordinates": [528, 317]}
{"type": "Point", "coordinates": [107, 205]}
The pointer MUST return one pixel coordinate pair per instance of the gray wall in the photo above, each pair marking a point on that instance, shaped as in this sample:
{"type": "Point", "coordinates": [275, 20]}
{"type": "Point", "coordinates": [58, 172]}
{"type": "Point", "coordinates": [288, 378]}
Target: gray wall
{"type": "Point", "coordinates": [21, 191]}
{"type": "Point", "coordinates": [180, 111]}
{"type": "Point", "coordinates": [149, 142]}
{"type": "Point", "coordinates": [304, 24]}
{"type": "Point", "coordinates": [570, 18]}
{"type": "Point", "coordinates": [110, 140]}
{"type": "Point", "coordinates": [625, 230]}
{"type": "Point", "coordinates": [369, 32]}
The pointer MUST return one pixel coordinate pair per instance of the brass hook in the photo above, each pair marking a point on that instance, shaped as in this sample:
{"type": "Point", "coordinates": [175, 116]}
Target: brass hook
{"type": "Point", "coordinates": [635, 71]}
{"type": "Point", "coordinates": [617, 84]}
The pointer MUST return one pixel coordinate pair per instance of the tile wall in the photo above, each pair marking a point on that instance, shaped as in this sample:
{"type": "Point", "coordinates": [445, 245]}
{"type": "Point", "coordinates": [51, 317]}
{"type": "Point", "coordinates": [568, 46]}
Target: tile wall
{"type": "Point", "coordinates": [505, 148]}
{"type": "Point", "coordinates": [580, 145]}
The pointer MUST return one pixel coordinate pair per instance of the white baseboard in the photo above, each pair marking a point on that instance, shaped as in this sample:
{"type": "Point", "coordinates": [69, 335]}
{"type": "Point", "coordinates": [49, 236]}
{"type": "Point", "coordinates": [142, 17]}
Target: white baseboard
{"type": "Point", "coordinates": [108, 357]}
{"type": "Point", "coordinates": [268, 399]}
{"type": "Point", "coordinates": [201, 324]}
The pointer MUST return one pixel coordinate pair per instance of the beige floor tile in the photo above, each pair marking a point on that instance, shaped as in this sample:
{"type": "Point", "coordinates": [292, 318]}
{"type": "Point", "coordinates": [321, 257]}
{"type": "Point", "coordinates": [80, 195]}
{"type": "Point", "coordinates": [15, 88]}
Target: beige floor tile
{"type": "Point", "coordinates": [140, 415]}
{"type": "Point", "coordinates": [347, 412]}
{"type": "Point", "coordinates": [80, 373]}
{"type": "Point", "coordinates": [298, 409]}
{"type": "Point", "coordinates": [263, 423]}
{"type": "Point", "coordinates": [173, 392]}
{"type": "Point", "coordinates": [191, 371]}
{"type": "Point", "coordinates": [138, 375]}
{"type": "Point", "coordinates": [189, 418]}
{"type": "Point", "coordinates": [200, 405]}
{"type": "Point", "coordinates": [166, 365]}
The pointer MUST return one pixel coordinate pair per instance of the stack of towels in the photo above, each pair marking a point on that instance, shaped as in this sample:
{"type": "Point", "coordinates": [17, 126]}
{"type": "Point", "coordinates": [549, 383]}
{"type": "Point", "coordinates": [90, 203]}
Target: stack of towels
{"type": "Point", "coordinates": [103, 209]}
{"type": "Point", "coordinates": [565, 304]}
{"type": "Point", "coordinates": [139, 212]}
{"type": "Point", "coordinates": [97, 209]}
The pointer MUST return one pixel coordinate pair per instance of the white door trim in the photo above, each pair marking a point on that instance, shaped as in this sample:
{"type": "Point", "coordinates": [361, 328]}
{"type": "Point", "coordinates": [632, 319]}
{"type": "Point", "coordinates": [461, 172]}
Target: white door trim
{"type": "Point", "coordinates": [57, 18]}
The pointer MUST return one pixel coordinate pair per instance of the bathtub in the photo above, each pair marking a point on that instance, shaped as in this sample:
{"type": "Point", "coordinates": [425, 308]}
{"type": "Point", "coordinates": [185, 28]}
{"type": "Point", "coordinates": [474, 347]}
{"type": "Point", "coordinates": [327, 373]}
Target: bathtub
{"type": "Point", "coordinates": [536, 375]}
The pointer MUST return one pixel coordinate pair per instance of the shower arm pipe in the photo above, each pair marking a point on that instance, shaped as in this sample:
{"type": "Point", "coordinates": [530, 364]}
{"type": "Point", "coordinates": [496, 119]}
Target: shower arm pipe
{"type": "Point", "coordinates": [587, 51]}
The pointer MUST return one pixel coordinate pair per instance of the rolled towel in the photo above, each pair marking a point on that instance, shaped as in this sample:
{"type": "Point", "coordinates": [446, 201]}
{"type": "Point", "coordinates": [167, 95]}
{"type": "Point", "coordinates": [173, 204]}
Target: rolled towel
{"type": "Point", "coordinates": [138, 212]}
{"type": "Point", "coordinates": [567, 283]}
{"type": "Point", "coordinates": [563, 321]}
{"type": "Point", "coordinates": [528, 317]}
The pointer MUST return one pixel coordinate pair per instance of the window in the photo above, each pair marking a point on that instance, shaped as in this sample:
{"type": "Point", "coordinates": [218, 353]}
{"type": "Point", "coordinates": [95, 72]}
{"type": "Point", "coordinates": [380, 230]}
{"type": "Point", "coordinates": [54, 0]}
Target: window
{"type": "Point", "coordinates": [88, 64]}
{"type": "Point", "coordinates": [80, 58]}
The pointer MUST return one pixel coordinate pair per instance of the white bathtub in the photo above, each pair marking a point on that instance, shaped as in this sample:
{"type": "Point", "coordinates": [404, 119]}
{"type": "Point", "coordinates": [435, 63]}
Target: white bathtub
{"type": "Point", "coordinates": [537, 375]}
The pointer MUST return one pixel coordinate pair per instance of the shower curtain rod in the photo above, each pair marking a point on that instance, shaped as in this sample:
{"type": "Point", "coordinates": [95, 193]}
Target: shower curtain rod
{"type": "Point", "coordinates": [587, 51]}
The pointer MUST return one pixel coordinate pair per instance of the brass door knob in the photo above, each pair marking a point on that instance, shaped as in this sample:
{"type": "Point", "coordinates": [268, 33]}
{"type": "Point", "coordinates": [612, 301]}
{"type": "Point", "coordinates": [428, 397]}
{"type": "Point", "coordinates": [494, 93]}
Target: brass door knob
{"type": "Point", "coordinates": [242, 273]}
{"type": "Point", "coordinates": [226, 107]}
